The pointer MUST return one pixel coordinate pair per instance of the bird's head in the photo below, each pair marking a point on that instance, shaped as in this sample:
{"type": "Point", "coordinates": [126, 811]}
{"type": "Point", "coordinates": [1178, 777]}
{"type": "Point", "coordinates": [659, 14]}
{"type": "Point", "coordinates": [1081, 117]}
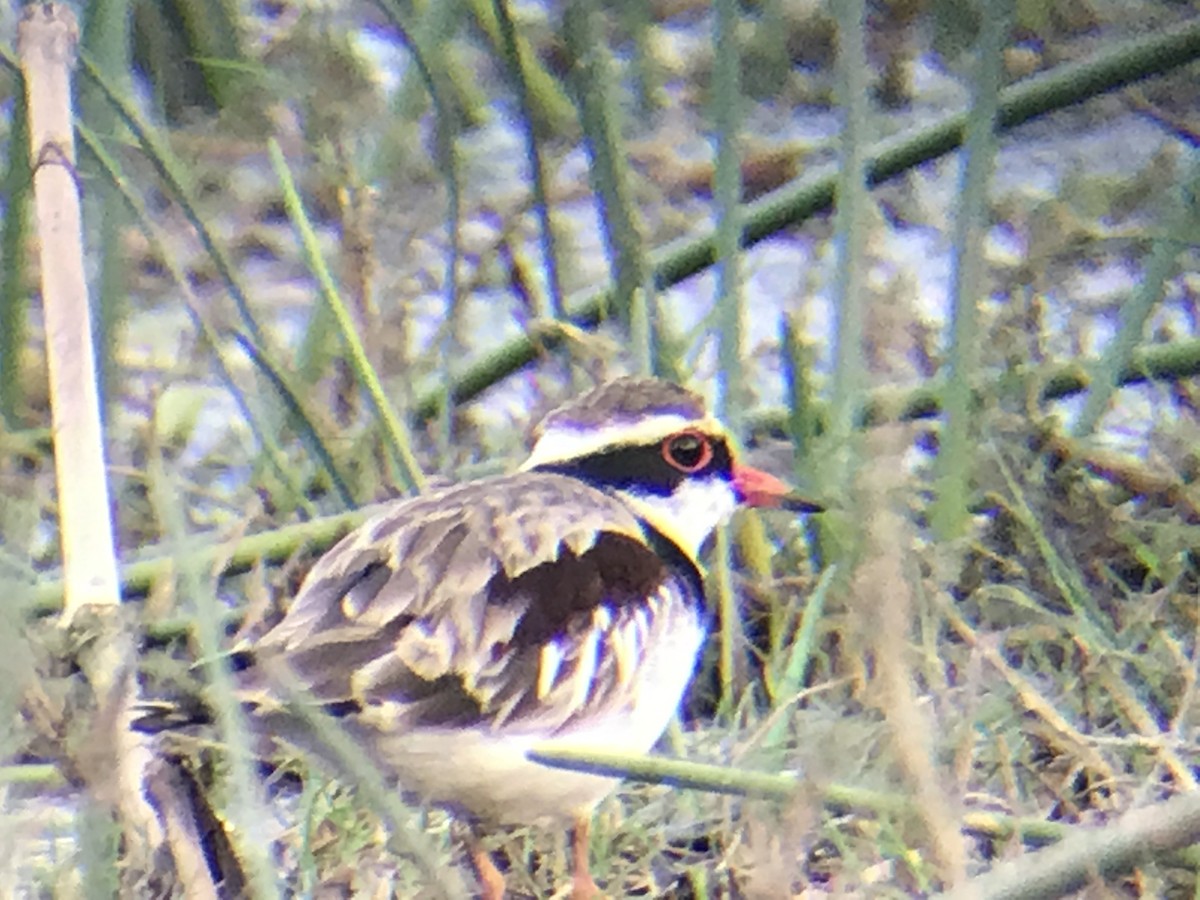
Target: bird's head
{"type": "Point", "coordinates": [654, 443]}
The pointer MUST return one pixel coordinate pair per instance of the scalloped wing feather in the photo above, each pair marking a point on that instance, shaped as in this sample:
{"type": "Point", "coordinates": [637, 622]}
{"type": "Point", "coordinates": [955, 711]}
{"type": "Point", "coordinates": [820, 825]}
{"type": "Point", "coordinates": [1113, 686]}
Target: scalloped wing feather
{"type": "Point", "coordinates": [518, 601]}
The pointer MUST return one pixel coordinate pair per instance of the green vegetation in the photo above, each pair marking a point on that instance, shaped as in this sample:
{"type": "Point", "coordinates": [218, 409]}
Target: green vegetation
{"type": "Point", "coordinates": [347, 251]}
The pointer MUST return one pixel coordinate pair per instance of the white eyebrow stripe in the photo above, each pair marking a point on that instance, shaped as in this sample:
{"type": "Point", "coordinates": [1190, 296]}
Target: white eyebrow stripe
{"type": "Point", "coordinates": [563, 442]}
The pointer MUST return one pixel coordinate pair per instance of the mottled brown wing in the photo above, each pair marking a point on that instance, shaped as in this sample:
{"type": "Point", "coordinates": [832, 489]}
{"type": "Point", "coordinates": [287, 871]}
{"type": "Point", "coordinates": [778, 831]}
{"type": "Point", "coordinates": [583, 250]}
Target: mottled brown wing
{"type": "Point", "coordinates": [515, 600]}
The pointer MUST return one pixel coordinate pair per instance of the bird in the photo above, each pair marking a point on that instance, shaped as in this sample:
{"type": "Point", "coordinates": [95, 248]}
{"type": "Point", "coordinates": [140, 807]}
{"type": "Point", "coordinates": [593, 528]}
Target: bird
{"type": "Point", "coordinates": [560, 605]}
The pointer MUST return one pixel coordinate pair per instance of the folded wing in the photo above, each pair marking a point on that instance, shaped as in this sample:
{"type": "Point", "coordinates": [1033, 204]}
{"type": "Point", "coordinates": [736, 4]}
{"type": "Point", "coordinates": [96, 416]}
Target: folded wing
{"type": "Point", "coordinates": [519, 603]}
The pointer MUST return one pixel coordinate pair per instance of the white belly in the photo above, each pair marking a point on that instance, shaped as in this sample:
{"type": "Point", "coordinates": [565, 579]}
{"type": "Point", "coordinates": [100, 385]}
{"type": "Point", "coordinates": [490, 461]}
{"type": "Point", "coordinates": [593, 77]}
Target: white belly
{"type": "Point", "coordinates": [486, 772]}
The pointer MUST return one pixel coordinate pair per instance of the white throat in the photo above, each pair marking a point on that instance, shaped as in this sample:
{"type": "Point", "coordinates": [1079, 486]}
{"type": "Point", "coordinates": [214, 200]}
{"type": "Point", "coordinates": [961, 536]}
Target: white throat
{"type": "Point", "coordinates": [690, 514]}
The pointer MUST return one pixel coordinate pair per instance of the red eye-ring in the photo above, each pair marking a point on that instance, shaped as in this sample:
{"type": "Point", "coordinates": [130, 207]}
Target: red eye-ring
{"type": "Point", "coordinates": [688, 451]}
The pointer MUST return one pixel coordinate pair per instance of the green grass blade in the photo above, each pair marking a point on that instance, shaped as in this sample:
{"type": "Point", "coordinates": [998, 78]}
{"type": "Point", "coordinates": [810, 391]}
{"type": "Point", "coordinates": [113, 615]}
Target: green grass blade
{"type": "Point", "coordinates": [399, 441]}
{"type": "Point", "coordinates": [730, 313]}
{"type": "Point", "coordinates": [596, 88]}
{"type": "Point", "coordinates": [949, 514]}
{"type": "Point", "coordinates": [813, 192]}
{"type": "Point", "coordinates": [660, 770]}
{"type": "Point", "coordinates": [245, 804]}
{"type": "Point", "coordinates": [432, 71]}
{"type": "Point", "coordinates": [518, 57]}
{"type": "Point", "coordinates": [1091, 624]}
{"type": "Point", "coordinates": [172, 171]}
{"type": "Point", "coordinates": [270, 447]}
{"type": "Point", "coordinates": [383, 797]}
{"type": "Point", "coordinates": [803, 644]}
{"type": "Point", "coordinates": [1136, 311]}
{"type": "Point", "coordinates": [732, 399]}
{"type": "Point", "coordinates": [848, 293]}
{"type": "Point", "coordinates": [15, 279]}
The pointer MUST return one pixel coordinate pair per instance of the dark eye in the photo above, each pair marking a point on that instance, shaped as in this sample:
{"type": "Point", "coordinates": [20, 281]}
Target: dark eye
{"type": "Point", "coordinates": [688, 452]}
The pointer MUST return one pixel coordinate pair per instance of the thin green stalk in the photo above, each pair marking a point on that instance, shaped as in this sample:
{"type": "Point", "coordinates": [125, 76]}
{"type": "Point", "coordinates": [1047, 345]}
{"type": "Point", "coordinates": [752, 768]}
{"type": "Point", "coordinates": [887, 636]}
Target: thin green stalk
{"type": "Point", "coordinates": [675, 772]}
{"type": "Point", "coordinates": [641, 332]}
{"type": "Point", "coordinates": [719, 779]}
{"type": "Point", "coordinates": [446, 125]}
{"type": "Point", "coordinates": [1167, 362]}
{"type": "Point", "coordinates": [848, 294]}
{"type": "Point", "coordinates": [802, 424]}
{"type": "Point", "coordinates": [789, 683]}
{"type": "Point", "coordinates": [106, 39]}
{"type": "Point", "coordinates": [666, 345]}
{"type": "Point", "coordinates": [732, 399]}
{"type": "Point", "coordinates": [398, 438]}
{"type": "Point", "coordinates": [14, 274]}
{"type": "Point", "coordinates": [637, 18]}
{"type": "Point", "coordinates": [307, 862]}
{"type": "Point", "coordinates": [270, 447]}
{"type": "Point", "coordinates": [515, 62]}
{"type": "Point", "coordinates": [721, 578]}
{"type": "Point", "coordinates": [1092, 625]}
{"type": "Point", "coordinates": [317, 347]}
{"type": "Point", "coordinates": [550, 109]}
{"type": "Point", "coordinates": [731, 392]}
{"type": "Point", "coordinates": [452, 344]}
{"type": "Point", "coordinates": [46, 776]}
{"type": "Point", "coordinates": [812, 193]}
{"type": "Point", "coordinates": [269, 547]}
{"type": "Point", "coordinates": [1136, 311]}
{"type": "Point", "coordinates": [802, 420]}
{"type": "Point", "coordinates": [596, 92]}
{"type": "Point", "coordinates": [245, 804]}
{"type": "Point", "coordinates": [212, 30]}
{"type": "Point", "coordinates": [111, 305]}
{"type": "Point", "coordinates": [172, 171]}
{"type": "Point", "coordinates": [350, 758]}
{"type": "Point", "coordinates": [950, 512]}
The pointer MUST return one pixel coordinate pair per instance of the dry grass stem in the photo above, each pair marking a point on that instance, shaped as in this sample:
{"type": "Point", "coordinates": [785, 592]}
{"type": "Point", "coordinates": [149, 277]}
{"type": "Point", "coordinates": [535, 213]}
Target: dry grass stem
{"type": "Point", "coordinates": [1091, 853]}
{"type": "Point", "coordinates": [47, 38]}
{"type": "Point", "coordinates": [1067, 735]}
{"type": "Point", "coordinates": [882, 594]}
{"type": "Point", "coordinates": [1141, 719]}
{"type": "Point", "coordinates": [182, 833]}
